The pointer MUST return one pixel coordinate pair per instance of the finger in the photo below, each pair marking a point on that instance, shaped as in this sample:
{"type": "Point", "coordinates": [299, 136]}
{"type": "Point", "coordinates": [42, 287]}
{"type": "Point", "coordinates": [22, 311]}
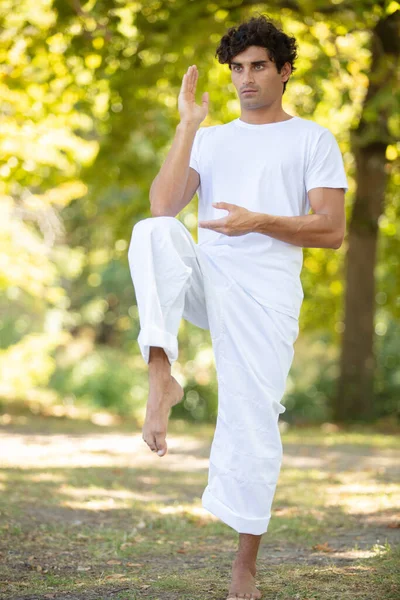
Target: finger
{"type": "Point", "coordinates": [186, 81]}
{"type": "Point", "coordinates": [212, 228]}
{"type": "Point", "coordinates": [215, 222]}
{"type": "Point", "coordinates": [193, 78]}
{"type": "Point", "coordinates": [184, 84]}
{"type": "Point", "coordinates": [196, 76]}
{"type": "Point", "coordinates": [210, 225]}
{"type": "Point", "coordinates": [205, 224]}
{"type": "Point", "coordinates": [224, 205]}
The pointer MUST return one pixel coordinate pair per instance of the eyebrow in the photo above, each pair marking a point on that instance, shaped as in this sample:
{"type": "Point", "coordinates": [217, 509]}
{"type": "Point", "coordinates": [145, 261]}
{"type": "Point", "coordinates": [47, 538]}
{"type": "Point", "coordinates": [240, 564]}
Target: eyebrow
{"type": "Point", "coordinates": [255, 62]}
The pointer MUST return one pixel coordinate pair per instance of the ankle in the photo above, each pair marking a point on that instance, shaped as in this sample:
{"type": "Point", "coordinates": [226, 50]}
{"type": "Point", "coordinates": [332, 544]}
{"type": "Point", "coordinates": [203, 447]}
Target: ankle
{"type": "Point", "coordinates": [160, 369]}
{"type": "Point", "coordinates": [244, 565]}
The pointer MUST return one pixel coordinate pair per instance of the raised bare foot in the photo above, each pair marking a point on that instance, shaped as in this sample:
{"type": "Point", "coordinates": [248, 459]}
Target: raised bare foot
{"type": "Point", "coordinates": [243, 582]}
{"type": "Point", "coordinates": [164, 393]}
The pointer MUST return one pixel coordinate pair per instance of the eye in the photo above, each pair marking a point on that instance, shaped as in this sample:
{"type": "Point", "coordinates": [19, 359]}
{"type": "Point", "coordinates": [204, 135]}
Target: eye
{"type": "Point", "coordinates": [236, 67]}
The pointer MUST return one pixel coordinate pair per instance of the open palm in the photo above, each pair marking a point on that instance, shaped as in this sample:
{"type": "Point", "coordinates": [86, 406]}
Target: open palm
{"type": "Point", "coordinates": [188, 109]}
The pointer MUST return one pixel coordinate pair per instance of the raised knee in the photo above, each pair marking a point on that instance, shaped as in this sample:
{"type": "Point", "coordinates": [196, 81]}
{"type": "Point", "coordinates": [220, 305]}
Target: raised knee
{"type": "Point", "coordinates": [151, 222]}
{"type": "Point", "coordinates": [144, 228]}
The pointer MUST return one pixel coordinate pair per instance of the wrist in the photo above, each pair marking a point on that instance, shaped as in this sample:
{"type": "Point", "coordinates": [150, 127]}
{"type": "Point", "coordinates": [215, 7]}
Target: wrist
{"type": "Point", "coordinates": [260, 222]}
{"type": "Point", "coordinates": [191, 125]}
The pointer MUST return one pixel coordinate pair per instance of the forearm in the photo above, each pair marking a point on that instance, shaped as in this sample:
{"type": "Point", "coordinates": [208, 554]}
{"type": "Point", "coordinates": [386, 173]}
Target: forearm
{"type": "Point", "coordinates": [168, 187]}
{"type": "Point", "coordinates": [310, 231]}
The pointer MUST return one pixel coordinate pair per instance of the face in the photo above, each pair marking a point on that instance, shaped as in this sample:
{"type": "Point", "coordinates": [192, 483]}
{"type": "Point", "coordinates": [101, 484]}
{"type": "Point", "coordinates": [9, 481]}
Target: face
{"type": "Point", "coordinates": [262, 77]}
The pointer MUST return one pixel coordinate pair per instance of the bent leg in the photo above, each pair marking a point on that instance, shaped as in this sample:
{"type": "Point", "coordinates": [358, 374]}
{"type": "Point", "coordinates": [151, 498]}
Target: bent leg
{"type": "Point", "coordinates": [168, 282]}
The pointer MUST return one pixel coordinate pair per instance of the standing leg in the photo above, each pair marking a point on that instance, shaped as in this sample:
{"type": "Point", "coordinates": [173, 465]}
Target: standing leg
{"type": "Point", "coordinates": [254, 352]}
{"type": "Point", "coordinates": [244, 567]}
{"type": "Point", "coordinates": [168, 282]}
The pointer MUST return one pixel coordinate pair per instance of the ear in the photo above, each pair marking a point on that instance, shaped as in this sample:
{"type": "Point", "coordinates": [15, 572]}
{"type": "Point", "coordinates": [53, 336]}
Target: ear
{"type": "Point", "coordinates": [286, 71]}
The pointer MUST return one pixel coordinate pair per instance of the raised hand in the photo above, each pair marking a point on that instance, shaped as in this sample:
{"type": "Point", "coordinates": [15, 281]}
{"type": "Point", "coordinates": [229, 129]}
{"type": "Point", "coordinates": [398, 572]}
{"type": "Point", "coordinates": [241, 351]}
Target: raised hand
{"type": "Point", "coordinates": [189, 111]}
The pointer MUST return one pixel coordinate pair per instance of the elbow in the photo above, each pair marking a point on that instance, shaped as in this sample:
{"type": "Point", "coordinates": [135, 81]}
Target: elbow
{"type": "Point", "coordinates": [159, 207]}
{"type": "Point", "coordinates": [156, 208]}
{"type": "Point", "coordinates": [154, 211]}
{"type": "Point", "coordinates": [338, 240]}
{"type": "Point", "coordinates": [159, 211]}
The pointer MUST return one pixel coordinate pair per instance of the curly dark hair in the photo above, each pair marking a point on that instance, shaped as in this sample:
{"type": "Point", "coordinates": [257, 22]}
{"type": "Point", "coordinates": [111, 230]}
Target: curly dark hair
{"type": "Point", "coordinates": [258, 31]}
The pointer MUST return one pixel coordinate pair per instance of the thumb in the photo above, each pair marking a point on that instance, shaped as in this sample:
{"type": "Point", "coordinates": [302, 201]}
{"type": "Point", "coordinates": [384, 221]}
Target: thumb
{"type": "Point", "coordinates": [205, 99]}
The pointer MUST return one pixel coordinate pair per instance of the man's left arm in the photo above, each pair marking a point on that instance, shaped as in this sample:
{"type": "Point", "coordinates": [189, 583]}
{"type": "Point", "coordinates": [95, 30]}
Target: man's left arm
{"type": "Point", "coordinates": [324, 228]}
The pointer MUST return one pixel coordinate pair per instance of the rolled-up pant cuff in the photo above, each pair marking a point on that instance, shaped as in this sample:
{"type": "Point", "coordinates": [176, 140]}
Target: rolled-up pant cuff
{"type": "Point", "coordinates": [152, 336]}
{"type": "Point", "coordinates": [240, 524]}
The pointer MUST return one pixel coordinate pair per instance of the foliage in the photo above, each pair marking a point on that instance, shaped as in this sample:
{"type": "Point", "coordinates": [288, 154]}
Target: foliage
{"type": "Point", "coordinates": [89, 109]}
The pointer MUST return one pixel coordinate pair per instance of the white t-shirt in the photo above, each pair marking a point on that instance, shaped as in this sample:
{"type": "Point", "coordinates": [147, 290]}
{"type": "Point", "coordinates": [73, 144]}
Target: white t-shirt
{"type": "Point", "coordinates": [267, 168]}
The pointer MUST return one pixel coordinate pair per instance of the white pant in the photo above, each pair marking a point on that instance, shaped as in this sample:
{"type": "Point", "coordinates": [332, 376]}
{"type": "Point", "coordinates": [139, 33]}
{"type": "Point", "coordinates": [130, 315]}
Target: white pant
{"type": "Point", "coordinates": [173, 278]}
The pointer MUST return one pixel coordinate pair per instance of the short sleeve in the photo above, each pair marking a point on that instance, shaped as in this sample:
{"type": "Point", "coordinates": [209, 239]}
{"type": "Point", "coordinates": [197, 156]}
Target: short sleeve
{"type": "Point", "coordinates": [326, 168]}
{"type": "Point", "coordinates": [194, 161]}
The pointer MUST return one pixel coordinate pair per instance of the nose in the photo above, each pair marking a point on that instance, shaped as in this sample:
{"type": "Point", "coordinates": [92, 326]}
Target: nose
{"type": "Point", "coordinates": [248, 79]}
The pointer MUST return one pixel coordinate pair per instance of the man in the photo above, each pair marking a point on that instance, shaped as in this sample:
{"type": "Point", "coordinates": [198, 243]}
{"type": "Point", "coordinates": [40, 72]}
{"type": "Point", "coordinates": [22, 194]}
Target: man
{"type": "Point", "coordinates": [257, 178]}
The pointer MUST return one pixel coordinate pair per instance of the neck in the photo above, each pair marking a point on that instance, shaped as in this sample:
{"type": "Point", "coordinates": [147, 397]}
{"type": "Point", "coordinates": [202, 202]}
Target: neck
{"type": "Point", "coordinates": [258, 117]}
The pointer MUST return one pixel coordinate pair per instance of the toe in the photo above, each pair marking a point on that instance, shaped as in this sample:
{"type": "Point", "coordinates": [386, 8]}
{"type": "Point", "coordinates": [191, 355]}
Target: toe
{"type": "Point", "coordinates": [161, 444]}
{"type": "Point", "coordinates": [151, 443]}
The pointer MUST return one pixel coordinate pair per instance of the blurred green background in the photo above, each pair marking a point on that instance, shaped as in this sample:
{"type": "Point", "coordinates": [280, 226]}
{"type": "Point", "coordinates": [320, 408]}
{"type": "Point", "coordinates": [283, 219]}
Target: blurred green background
{"type": "Point", "coordinates": [88, 113]}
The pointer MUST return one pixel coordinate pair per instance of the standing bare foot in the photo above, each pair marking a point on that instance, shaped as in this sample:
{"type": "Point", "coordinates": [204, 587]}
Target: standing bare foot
{"type": "Point", "coordinates": [243, 582]}
{"type": "Point", "coordinates": [164, 393]}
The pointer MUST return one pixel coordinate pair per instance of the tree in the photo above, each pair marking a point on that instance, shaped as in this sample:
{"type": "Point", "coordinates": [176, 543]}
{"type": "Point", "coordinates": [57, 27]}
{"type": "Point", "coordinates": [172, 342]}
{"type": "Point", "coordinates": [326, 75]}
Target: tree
{"type": "Point", "coordinates": [370, 141]}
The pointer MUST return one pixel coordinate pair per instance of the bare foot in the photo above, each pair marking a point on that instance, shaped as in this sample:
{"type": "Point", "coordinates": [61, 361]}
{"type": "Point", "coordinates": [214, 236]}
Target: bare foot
{"type": "Point", "coordinates": [164, 393]}
{"type": "Point", "coordinates": [243, 582]}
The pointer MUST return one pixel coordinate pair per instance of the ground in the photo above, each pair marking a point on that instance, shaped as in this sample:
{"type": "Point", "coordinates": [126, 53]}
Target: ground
{"type": "Point", "coordinates": [89, 512]}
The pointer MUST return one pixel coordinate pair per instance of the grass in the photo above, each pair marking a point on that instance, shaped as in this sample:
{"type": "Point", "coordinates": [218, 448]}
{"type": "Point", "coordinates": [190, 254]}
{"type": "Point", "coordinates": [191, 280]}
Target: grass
{"type": "Point", "coordinates": [88, 512]}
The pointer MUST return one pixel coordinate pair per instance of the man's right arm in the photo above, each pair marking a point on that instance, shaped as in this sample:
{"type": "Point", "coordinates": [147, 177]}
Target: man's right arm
{"type": "Point", "coordinates": [176, 183]}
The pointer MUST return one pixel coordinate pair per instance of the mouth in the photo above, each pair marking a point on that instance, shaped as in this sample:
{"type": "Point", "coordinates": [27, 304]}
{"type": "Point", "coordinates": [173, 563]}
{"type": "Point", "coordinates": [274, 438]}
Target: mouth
{"type": "Point", "coordinates": [249, 91]}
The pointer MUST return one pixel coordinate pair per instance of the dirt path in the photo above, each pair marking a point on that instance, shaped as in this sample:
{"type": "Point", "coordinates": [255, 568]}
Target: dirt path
{"type": "Point", "coordinates": [95, 514]}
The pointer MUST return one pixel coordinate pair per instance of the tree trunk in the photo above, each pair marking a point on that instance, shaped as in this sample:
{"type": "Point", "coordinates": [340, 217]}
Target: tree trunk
{"type": "Point", "coordinates": [355, 394]}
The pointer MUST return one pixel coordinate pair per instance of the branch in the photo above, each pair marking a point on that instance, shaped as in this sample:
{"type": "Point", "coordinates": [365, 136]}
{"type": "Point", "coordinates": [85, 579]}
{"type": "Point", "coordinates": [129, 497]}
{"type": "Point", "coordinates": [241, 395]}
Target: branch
{"type": "Point", "coordinates": [76, 6]}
